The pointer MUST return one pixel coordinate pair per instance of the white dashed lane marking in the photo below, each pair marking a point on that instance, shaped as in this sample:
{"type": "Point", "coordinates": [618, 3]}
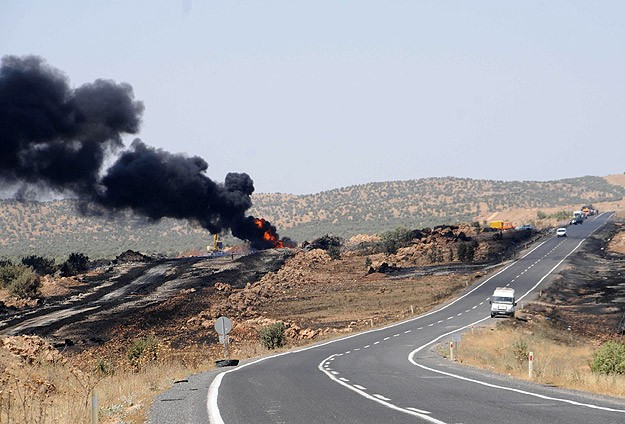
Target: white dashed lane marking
{"type": "Point", "coordinates": [421, 411]}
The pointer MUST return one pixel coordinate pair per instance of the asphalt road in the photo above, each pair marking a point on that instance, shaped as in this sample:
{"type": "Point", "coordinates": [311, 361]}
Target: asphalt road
{"type": "Point", "coordinates": [391, 375]}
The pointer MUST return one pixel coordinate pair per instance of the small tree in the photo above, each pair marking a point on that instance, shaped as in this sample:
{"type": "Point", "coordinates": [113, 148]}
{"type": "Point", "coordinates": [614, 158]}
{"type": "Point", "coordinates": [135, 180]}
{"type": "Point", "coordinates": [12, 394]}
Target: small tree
{"type": "Point", "coordinates": [75, 264]}
{"type": "Point", "coordinates": [609, 359]}
{"type": "Point", "coordinates": [40, 265]}
{"type": "Point", "coordinates": [466, 251]}
{"type": "Point", "coordinates": [272, 336]}
{"type": "Point", "coordinates": [142, 351]}
{"type": "Point", "coordinates": [394, 239]}
{"type": "Point", "coordinates": [20, 280]}
{"type": "Point", "coordinates": [334, 252]}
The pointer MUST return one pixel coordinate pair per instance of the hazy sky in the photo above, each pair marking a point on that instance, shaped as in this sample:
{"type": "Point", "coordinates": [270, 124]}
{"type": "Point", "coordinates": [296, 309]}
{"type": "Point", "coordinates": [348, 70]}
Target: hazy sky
{"type": "Point", "coordinates": [307, 96]}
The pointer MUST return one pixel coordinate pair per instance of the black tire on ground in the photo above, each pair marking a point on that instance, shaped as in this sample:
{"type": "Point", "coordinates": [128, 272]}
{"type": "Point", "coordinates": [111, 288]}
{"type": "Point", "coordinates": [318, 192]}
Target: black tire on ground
{"type": "Point", "coordinates": [227, 363]}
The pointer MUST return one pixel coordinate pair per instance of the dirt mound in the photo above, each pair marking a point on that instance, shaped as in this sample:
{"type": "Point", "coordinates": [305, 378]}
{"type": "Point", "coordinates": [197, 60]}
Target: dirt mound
{"type": "Point", "coordinates": [326, 242]}
{"type": "Point", "coordinates": [363, 238]}
{"type": "Point", "coordinates": [617, 243]}
{"type": "Point", "coordinates": [131, 256]}
{"type": "Point", "coordinates": [243, 303]}
{"type": "Point", "coordinates": [31, 349]}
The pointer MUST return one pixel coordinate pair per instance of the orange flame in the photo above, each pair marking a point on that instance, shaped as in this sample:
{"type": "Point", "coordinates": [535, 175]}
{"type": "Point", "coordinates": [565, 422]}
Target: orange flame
{"type": "Point", "coordinates": [268, 235]}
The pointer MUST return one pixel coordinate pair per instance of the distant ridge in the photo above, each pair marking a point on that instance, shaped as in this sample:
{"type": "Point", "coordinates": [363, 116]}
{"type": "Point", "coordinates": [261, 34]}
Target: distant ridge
{"type": "Point", "coordinates": [55, 229]}
{"type": "Point", "coordinates": [375, 207]}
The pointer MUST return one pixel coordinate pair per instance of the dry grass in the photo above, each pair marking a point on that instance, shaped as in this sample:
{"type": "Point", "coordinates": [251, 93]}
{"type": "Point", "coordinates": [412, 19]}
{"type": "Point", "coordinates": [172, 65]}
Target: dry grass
{"type": "Point", "coordinates": [40, 391]}
{"type": "Point", "coordinates": [560, 360]}
{"type": "Point", "coordinates": [36, 390]}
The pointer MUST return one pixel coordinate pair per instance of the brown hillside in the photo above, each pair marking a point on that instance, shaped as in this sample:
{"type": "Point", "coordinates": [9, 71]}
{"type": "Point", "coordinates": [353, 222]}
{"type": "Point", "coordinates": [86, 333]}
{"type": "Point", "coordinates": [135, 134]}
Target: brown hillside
{"type": "Point", "coordinates": [616, 179]}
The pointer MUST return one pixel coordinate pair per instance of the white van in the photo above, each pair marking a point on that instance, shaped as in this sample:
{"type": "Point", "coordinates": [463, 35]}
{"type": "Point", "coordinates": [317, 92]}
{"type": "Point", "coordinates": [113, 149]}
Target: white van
{"type": "Point", "coordinates": [502, 302]}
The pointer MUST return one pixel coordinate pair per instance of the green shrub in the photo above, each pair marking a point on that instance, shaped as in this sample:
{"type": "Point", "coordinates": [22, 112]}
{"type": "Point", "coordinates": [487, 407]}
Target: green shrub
{"type": "Point", "coordinates": [104, 367]}
{"type": "Point", "coordinates": [75, 264]}
{"type": "Point", "coordinates": [334, 252]}
{"type": "Point", "coordinates": [142, 351]}
{"type": "Point", "coordinates": [520, 350]}
{"type": "Point", "coordinates": [40, 265]}
{"type": "Point", "coordinates": [466, 251]}
{"type": "Point", "coordinates": [394, 239]}
{"type": "Point", "coordinates": [272, 336]}
{"type": "Point", "coordinates": [609, 359]}
{"type": "Point", "coordinates": [20, 280]}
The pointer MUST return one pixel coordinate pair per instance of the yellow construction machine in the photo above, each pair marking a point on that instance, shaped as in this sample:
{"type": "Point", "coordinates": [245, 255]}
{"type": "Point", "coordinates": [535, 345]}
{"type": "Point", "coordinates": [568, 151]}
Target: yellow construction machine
{"type": "Point", "coordinates": [217, 248]}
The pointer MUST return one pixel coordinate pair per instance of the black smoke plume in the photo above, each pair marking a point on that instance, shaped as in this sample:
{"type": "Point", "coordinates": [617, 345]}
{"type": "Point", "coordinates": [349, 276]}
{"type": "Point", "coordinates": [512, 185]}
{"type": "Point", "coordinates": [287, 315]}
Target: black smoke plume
{"type": "Point", "coordinates": [56, 137]}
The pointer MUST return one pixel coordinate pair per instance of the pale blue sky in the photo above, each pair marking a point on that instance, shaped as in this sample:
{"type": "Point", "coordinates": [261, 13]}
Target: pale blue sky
{"type": "Point", "coordinates": [315, 95]}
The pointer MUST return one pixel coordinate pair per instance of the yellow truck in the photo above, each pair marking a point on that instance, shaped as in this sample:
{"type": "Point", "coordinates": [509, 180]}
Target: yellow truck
{"type": "Point", "coordinates": [501, 225]}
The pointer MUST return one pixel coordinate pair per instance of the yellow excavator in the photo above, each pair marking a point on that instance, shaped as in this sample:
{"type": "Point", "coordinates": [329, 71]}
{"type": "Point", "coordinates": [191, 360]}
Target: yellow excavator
{"type": "Point", "coordinates": [217, 248]}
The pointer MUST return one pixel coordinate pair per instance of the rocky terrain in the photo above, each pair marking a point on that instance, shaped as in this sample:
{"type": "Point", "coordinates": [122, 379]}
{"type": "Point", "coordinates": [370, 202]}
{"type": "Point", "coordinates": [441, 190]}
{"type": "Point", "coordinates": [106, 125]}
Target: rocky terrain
{"type": "Point", "coordinates": [588, 295]}
{"type": "Point", "coordinates": [57, 228]}
{"type": "Point", "coordinates": [94, 318]}
{"type": "Point", "coordinates": [178, 300]}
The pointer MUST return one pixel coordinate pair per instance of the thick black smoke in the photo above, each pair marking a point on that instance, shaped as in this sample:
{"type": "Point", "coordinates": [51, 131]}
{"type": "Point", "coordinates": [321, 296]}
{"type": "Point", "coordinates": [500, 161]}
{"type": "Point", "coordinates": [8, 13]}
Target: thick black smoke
{"type": "Point", "coordinates": [56, 137]}
{"type": "Point", "coordinates": [158, 184]}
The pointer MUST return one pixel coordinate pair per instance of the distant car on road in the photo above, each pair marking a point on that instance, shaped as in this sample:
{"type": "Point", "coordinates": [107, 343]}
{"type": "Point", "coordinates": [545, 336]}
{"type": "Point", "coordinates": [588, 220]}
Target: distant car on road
{"type": "Point", "coordinates": [577, 220]}
{"type": "Point", "coordinates": [561, 232]}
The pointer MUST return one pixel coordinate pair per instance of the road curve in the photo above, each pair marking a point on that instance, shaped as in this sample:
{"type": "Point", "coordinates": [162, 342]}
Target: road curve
{"type": "Point", "coordinates": [391, 375]}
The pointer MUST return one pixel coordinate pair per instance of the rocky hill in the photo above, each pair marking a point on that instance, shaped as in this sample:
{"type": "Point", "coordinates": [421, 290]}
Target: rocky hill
{"type": "Point", "coordinates": [376, 207]}
{"type": "Point", "coordinates": [55, 229]}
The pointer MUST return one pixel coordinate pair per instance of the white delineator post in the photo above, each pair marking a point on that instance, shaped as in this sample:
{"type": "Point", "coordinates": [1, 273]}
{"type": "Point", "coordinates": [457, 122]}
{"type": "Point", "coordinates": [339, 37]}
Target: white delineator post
{"type": "Point", "coordinates": [530, 365]}
{"type": "Point", "coordinates": [451, 350]}
{"type": "Point", "coordinates": [94, 407]}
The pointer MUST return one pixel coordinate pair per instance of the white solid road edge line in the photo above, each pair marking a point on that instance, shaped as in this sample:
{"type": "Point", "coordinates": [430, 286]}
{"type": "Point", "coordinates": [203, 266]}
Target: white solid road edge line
{"type": "Point", "coordinates": [213, 391]}
{"type": "Point", "coordinates": [495, 386]}
{"type": "Point", "coordinates": [572, 402]}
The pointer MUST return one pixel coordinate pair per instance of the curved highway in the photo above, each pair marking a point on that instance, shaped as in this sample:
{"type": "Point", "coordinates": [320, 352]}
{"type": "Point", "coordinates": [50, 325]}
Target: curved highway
{"type": "Point", "coordinates": [391, 375]}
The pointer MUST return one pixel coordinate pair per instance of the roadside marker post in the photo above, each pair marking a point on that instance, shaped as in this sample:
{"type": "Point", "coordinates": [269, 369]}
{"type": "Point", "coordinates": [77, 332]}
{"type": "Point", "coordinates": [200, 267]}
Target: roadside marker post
{"type": "Point", "coordinates": [94, 407]}
{"type": "Point", "coordinates": [531, 365]}
{"type": "Point", "coordinates": [451, 350]}
{"type": "Point", "coordinates": [456, 339]}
